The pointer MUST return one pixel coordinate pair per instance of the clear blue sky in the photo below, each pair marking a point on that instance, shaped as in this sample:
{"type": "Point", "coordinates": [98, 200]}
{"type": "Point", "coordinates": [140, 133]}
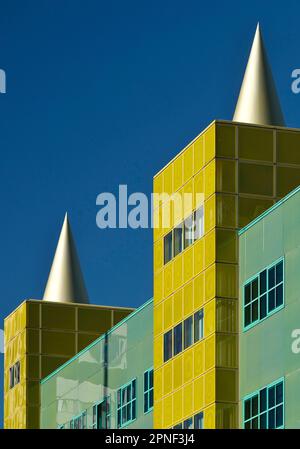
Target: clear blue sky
{"type": "Point", "coordinates": [104, 93]}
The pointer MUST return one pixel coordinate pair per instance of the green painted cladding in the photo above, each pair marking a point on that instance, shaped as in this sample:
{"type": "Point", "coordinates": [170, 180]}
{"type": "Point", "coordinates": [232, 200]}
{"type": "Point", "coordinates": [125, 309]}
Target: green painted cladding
{"type": "Point", "coordinates": [94, 374]}
{"type": "Point", "coordinates": [266, 348]}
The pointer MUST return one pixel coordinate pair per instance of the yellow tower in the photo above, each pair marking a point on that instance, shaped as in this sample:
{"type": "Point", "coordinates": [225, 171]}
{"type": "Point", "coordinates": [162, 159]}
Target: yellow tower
{"type": "Point", "coordinates": [233, 171]}
{"type": "Point", "coordinates": [42, 335]}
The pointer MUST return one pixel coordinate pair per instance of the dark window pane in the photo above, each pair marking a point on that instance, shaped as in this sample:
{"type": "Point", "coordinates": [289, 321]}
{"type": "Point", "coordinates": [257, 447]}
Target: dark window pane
{"type": "Point", "coordinates": [248, 425]}
{"type": "Point", "coordinates": [198, 325]}
{"type": "Point", "coordinates": [168, 247]}
{"type": "Point", "coordinates": [263, 282]}
{"type": "Point", "coordinates": [133, 384]}
{"type": "Point", "coordinates": [263, 400]}
{"type": "Point", "coordinates": [119, 398]}
{"type": "Point", "coordinates": [271, 397]}
{"type": "Point", "coordinates": [151, 399]}
{"type": "Point", "coordinates": [145, 402]}
{"type": "Point", "coordinates": [247, 293]}
{"type": "Point", "coordinates": [271, 277]}
{"type": "Point", "coordinates": [177, 339]}
{"type": "Point", "coordinates": [133, 410]}
{"type": "Point", "coordinates": [178, 426]}
{"type": "Point", "coordinates": [279, 393]}
{"type": "Point", "coordinates": [279, 295]}
{"type": "Point", "coordinates": [279, 272]}
{"type": "Point", "coordinates": [198, 421]}
{"type": "Point", "coordinates": [129, 393]}
{"type": "Point", "coordinates": [129, 412]}
{"type": "Point", "coordinates": [247, 317]}
{"type": "Point", "coordinates": [255, 423]}
{"type": "Point", "coordinates": [271, 300]}
{"type": "Point", "coordinates": [146, 381]}
{"type": "Point", "coordinates": [188, 236]}
{"type": "Point", "coordinates": [254, 408]}
{"type": "Point", "coordinates": [263, 421]}
{"type": "Point", "coordinates": [177, 240]}
{"type": "Point", "coordinates": [255, 310]}
{"type": "Point", "coordinates": [151, 379]}
{"type": "Point", "coordinates": [254, 289]}
{"type": "Point", "coordinates": [188, 424]}
{"type": "Point", "coordinates": [188, 332]}
{"type": "Point", "coordinates": [279, 416]}
{"type": "Point", "coordinates": [263, 307]}
{"type": "Point", "coordinates": [271, 424]}
{"type": "Point", "coordinates": [167, 345]}
{"type": "Point", "coordinates": [247, 409]}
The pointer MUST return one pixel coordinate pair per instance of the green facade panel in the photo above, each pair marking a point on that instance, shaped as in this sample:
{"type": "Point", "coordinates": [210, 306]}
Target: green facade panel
{"type": "Point", "coordinates": [267, 348]}
{"type": "Point", "coordinates": [116, 358]}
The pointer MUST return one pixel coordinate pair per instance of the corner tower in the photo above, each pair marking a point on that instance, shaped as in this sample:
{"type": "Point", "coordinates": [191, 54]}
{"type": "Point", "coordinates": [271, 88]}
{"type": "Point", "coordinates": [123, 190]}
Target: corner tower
{"type": "Point", "coordinates": [239, 168]}
{"type": "Point", "coordinates": [41, 335]}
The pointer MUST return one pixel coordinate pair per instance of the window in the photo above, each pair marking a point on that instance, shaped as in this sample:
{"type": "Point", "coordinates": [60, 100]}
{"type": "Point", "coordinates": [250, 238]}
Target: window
{"type": "Point", "coordinates": [195, 422]}
{"type": "Point", "coordinates": [184, 234]}
{"type": "Point", "coordinates": [79, 422]}
{"type": "Point", "coordinates": [188, 423]}
{"type": "Point", "coordinates": [198, 421]}
{"type": "Point", "coordinates": [199, 222]}
{"type": "Point", "coordinates": [198, 325]}
{"type": "Point", "coordinates": [263, 294]}
{"type": "Point", "coordinates": [168, 239]}
{"type": "Point", "coordinates": [167, 345]}
{"type": "Point", "coordinates": [126, 404]}
{"type": "Point", "coordinates": [14, 374]}
{"type": "Point", "coordinates": [177, 339]}
{"type": "Point", "coordinates": [265, 408]}
{"type": "Point", "coordinates": [148, 390]}
{"type": "Point", "coordinates": [188, 332]}
{"type": "Point", "coordinates": [101, 414]}
{"type": "Point", "coordinates": [188, 231]}
{"type": "Point", "coordinates": [177, 240]}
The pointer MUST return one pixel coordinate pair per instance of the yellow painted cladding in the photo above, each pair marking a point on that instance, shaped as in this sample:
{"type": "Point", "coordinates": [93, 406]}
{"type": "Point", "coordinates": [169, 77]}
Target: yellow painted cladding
{"type": "Point", "coordinates": [41, 336]}
{"type": "Point", "coordinates": [237, 171]}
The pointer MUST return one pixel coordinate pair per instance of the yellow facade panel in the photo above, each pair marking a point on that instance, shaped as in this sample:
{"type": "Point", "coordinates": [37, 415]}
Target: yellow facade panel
{"type": "Point", "coordinates": [227, 385]}
{"type": "Point", "coordinates": [227, 315]}
{"type": "Point", "coordinates": [188, 163]}
{"type": "Point", "coordinates": [210, 282]}
{"type": "Point", "coordinates": [210, 352]}
{"type": "Point", "coordinates": [210, 387]}
{"type": "Point", "coordinates": [225, 141]}
{"type": "Point", "coordinates": [227, 350]}
{"type": "Point", "coordinates": [168, 279]}
{"type": "Point", "coordinates": [210, 213]}
{"type": "Point", "coordinates": [226, 246]}
{"type": "Point", "coordinates": [178, 306]}
{"type": "Point", "coordinates": [256, 179]}
{"type": "Point", "coordinates": [158, 287]}
{"type": "Point", "coordinates": [177, 404]}
{"type": "Point", "coordinates": [287, 180]}
{"type": "Point", "coordinates": [158, 319]}
{"type": "Point", "coordinates": [158, 255]}
{"type": "Point", "coordinates": [188, 264]}
{"type": "Point", "coordinates": [168, 312]}
{"type": "Point", "coordinates": [188, 299]}
{"type": "Point", "coordinates": [227, 280]}
{"type": "Point", "coordinates": [210, 318]}
{"type": "Point", "coordinates": [188, 198]}
{"type": "Point", "coordinates": [167, 378]}
{"type": "Point", "coordinates": [199, 291]}
{"type": "Point", "coordinates": [188, 402]}
{"type": "Point", "coordinates": [198, 394]}
{"type": "Point", "coordinates": [158, 390]}
{"type": "Point", "coordinates": [255, 143]}
{"type": "Point", "coordinates": [199, 358]}
{"type": "Point", "coordinates": [210, 417]}
{"type": "Point", "coordinates": [210, 179]}
{"type": "Point", "coordinates": [198, 154]}
{"type": "Point", "coordinates": [199, 256]}
{"type": "Point", "coordinates": [226, 176]}
{"type": "Point", "coordinates": [158, 351]}
{"type": "Point", "coordinates": [290, 140]}
{"type": "Point", "coordinates": [158, 415]}
{"type": "Point", "coordinates": [168, 179]}
{"type": "Point", "coordinates": [178, 272]}
{"type": "Point", "coordinates": [178, 371]}
{"type": "Point", "coordinates": [188, 365]}
{"type": "Point", "coordinates": [178, 173]}
{"type": "Point", "coordinates": [168, 411]}
{"type": "Point", "coordinates": [250, 208]}
{"type": "Point", "coordinates": [209, 143]}
{"type": "Point", "coordinates": [210, 248]}
{"type": "Point", "coordinates": [226, 211]}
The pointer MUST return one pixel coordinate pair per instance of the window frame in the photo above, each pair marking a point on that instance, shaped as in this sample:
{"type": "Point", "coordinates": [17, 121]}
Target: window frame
{"type": "Point", "coordinates": [148, 390]}
{"type": "Point", "coordinates": [250, 280]}
{"type": "Point", "coordinates": [257, 393]}
{"type": "Point", "coordinates": [105, 400]}
{"type": "Point", "coordinates": [128, 422]}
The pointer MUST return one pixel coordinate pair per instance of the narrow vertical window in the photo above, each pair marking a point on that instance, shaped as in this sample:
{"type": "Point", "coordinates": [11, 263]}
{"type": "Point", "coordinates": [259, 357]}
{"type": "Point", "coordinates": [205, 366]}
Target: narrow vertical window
{"type": "Point", "coordinates": [177, 339]}
{"type": "Point", "coordinates": [198, 421]}
{"type": "Point", "coordinates": [199, 222]}
{"type": "Point", "coordinates": [167, 345]}
{"type": "Point", "coordinates": [188, 332]}
{"type": "Point", "coordinates": [126, 404]}
{"type": "Point", "coordinates": [177, 240]}
{"type": "Point", "coordinates": [148, 390]}
{"type": "Point", "coordinates": [168, 247]}
{"type": "Point", "coordinates": [198, 325]}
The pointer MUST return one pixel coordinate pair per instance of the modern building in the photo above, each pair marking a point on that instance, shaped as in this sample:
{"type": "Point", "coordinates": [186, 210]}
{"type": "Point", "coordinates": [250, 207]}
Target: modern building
{"type": "Point", "coordinates": [220, 182]}
{"type": "Point", "coordinates": [232, 171]}
{"type": "Point", "coordinates": [42, 335]}
{"type": "Point", "coordinates": [270, 318]}
{"type": "Point", "coordinates": [107, 385]}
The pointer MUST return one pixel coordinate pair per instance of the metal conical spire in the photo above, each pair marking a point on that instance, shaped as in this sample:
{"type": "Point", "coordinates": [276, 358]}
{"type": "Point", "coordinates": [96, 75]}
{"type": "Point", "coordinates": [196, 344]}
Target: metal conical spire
{"type": "Point", "coordinates": [65, 282]}
{"type": "Point", "coordinates": [258, 101]}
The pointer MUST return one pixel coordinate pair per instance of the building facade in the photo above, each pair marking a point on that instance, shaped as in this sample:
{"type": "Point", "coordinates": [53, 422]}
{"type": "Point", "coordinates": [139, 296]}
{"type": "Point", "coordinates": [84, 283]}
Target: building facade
{"type": "Point", "coordinates": [270, 318]}
{"type": "Point", "coordinates": [107, 385]}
